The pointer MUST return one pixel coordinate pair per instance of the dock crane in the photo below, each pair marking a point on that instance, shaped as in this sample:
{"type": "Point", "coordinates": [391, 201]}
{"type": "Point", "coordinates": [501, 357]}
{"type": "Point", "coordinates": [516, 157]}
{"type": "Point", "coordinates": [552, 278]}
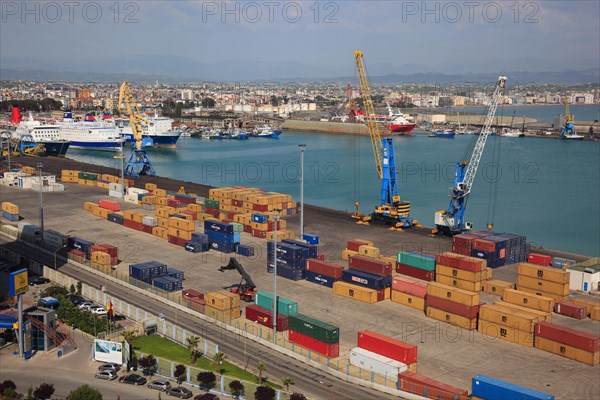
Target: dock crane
{"type": "Point", "coordinates": [139, 163]}
{"type": "Point", "coordinates": [391, 210]}
{"type": "Point", "coordinates": [568, 129]}
{"type": "Point", "coordinates": [451, 221]}
{"type": "Point", "coordinates": [246, 287]}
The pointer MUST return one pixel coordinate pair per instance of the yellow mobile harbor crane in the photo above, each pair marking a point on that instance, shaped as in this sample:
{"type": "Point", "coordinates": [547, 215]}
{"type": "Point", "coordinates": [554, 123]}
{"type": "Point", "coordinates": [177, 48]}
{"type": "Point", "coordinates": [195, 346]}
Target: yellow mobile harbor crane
{"type": "Point", "coordinates": [391, 210]}
{"type": "Point", "coordinates": [139, 163]}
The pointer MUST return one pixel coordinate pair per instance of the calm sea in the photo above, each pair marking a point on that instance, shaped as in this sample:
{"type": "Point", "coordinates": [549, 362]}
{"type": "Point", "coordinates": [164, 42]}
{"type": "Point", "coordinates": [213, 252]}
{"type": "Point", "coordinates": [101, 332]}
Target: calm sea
{"type": "Point", "coordinates": [547, 189]}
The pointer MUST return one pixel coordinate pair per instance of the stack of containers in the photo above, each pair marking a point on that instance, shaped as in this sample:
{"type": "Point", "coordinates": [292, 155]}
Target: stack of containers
{"type": "Point", "coordinates": [368, 280]}
{"type": "Point", "coordinates": [430, 388]}
{"type": "Point", "coordinates": [193, 299]}
{"type": "Point", "coordinates": [385, 346]}
{"type": "Point", "coordinates": [133, 220]}
{"type": "Point", "coordinates": [314, 335]}
{"type": "Point", "coordinates": [284, 306]}
{"type": "Point", "coordinates": [409, 292]}
{"type": "Point", "coordinates": [509, 322]}
{"type": "Point", "coordinates": [222, 305]}
{"type": "Point", "coordinates": [221, 236]}
{"type": "Point", "coordinates": [104, 255]}
{"type": "Point", "coordinates": [291, 258]}
{"type": "Point", "coordinates": [264, 317]}
{"type": "Point", "coordinates": [484, 387]}
{"type": "Point", "coordinates": [353, 246]}
{"type": "Point", "coordinates": [592, 309]}
{"type": "Point", "coordinates": [199, 243]}
{"type": "Point", "coordinates": [529, 300]}
{"type": "Point", "coordinates": [180, 230]}
{"type": "Point", "coordinates": [67, 175]}
{"type": "Point", "coordinates": [323, 273]}
{"type": "Point", "coordinates": [87, 179]}
{"type": "Point", "coordinates": [543, 281]}
{"type": "Point", "coordinates": [416, 265]}
{"type": "Point", "coordinates": [452, 305]}
{"type": "Point", "coordinates": [497, 287]}
{"type": "Point", "coordinates": [10, 211]}
{"type": "Point", "coordinates": [567, 342]}
{"type": "Point", "coordinates": [370, 361]}
{"type": "Point", "coordinates": [460, 271]}
{"type": "Point", "coordinates": [501, 249]}
{"type": "Point", "coordinates": [147, 271]}
{"type": "Point", "coordinates": [81, 245]}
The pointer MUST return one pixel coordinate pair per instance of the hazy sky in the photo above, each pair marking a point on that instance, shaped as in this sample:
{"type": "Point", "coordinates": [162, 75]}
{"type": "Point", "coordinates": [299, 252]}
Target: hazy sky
{"type": "Point", "coordinates": [315, 38]}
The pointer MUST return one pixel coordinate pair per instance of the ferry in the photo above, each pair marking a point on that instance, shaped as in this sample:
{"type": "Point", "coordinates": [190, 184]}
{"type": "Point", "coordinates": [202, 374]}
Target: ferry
{"type": "Point", "coordinates": [396, 122]}
{"type": "Point", "coordinates": [160, 130]}
{"type": "Point", "coordinates": [47, 134]}
{"type": "Point", "coordinates": [90, 134]}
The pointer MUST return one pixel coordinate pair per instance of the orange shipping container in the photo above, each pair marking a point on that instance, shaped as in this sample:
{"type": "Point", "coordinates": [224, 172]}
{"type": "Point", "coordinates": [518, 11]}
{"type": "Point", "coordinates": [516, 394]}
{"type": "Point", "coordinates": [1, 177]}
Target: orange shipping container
{"type": "Point", "coordinates": [358, 292]}
{"type": "Point", "coordinates": [453, 294]}
{"type": "Point", "coordinates": [545, 316]}
{"type": "Point", "coordinates": [567, 351]}
{"type": "Point", "coordinates": [497, 287]}
{"type": "Point", "coordinates": [87, 206]}
{"type": "Point", "coordinates": [222, 315]}
{"type": "Point", "coordinates": [529, 300]}
{"type": "Point", "coordinates": [459, 283]}
{"type": "Point", "coordinates": [518, 319]}
{"type": "Point", "coordinates": [458, 273]}
{"type": "Point", "coordinates": [408, 300]}
{"type": "Point", "coordinates": [101, 212]}
{"type": "Point", "coordinates": [187, 235]}
{"type": "Point", "coordinates": [556, 297]}
{"type": "Point", "coordinates": [220, 300]}
{"type": "Point", "coordinates": [561, 289]}
{"type": "Point", "coordinates": [505, 332]}
{"type": "Point", "coordinates": [158, 231]}
{"type": "Point", "coordinates": [545, 273]}
{"type": "Point", "coordinates": [440, 315]}
{"type": "Point", "coordinates": [180, 223]}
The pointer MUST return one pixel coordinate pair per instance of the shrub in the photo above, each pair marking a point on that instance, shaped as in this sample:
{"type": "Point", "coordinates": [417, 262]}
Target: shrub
{"type": "Point", "coordinates": [237, 388]}
{"type": "Point", "coordinates": [85, 392]}
{"type": "Point", "coordinates": [44, 391]}
{"type": "Point", "coordinates": [264, 393]}
{"type": "Point", "coordinates": [207, 380]}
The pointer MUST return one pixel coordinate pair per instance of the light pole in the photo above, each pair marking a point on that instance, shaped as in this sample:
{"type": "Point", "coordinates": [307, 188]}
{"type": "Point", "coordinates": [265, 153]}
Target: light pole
{"type": "Point", "coordinates": [302, 147]}
{"type": "Point", "coordinates": [276, 217]}
{"type": "Point", "coordinates": [39, 166]}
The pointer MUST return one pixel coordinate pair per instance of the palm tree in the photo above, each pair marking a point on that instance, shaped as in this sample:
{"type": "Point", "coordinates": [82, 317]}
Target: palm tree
{"type": "Point", "coordinates": [218, 359]}
{"type": "Point", "coordinates": [287, 381]}
{"type": "Point", "coordinates": [192, 343]}
{"type": "Point", "coordinates": [260, 366]}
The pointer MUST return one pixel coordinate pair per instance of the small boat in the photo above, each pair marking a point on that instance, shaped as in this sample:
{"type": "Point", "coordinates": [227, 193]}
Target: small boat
{"type": "Point", "coordinates": [266, 131]}
{"type": "Point", "coordinates": [446, 133]}
{"type": "Point", "coordinates": [512, 133]}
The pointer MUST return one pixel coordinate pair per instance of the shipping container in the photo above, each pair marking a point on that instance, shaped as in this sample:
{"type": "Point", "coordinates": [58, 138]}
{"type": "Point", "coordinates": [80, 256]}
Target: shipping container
{"type": "Point", "coordinates": [320, 279]}
{"type": "Point", "coordinates": [415, 272]}
{"type": "Point", "coordinates": [222, 315]}
{"type": "Point", "coordinates": [314, 328]}
{"type": "Point", "coordinates": [534, 301]}
{"type": "Point", "coordinates": [417, 260]}
{"type": "Point", "coordinates": [176, 273]}
{"type": "Point", "coordinates": [176, 240]}
{"type": "Point", "coordinates": [507, 316]}
{"type": "Point", "coordinates": [147, 270]}
{"type": "Point", "coordinates": [360, 293]}
{"type": "Point", "coordinates": [150, 221]}
{"type": "Point", "coordinates": [322, 268]}
{"type": "Point", "coordinates": [10, 217]}
{"type": "Point", "coordinates": [459, 283]}
{"type": "Point", "coordinates": [386, 346]}
{"type": "Point", "coordinates": [494, 389]}
{"type": "Point", "coordinates": [452, 307]}
{"type": "Point", "coordinates": [370, 361]}
{"type": "Point", "coordinates": [196, 247]}
{"type": "Point", "coordinates": [167, 283]}
{"type": "Point", "coordinates": [370, 265]}
{"type": "Point", "coordinates": [559, 289]}
{"type": "Point", "coordinates": [310, 239]}
{"type": "Point", "coordinates": [188, 293]}
{"type": "Point", "coordinates": [245, 250]}
{"type": "Point", "coordinates": [430, 388]}
{"type": "Point", "coordinates": [331, 350]}
{"type": "Point", "coordinates": [545, 273]}
{"type": "Point", "coordinates": [287, 250]}
{"type": "Point", "coordinates": [497, 287]}
{"type": "Point", "coordinates": [229, 238]}
{"type": "Point", "coordinates": [220, 300]}
{"type": "Point", "coordinates": [408, 300]}
{"type": "Point", "coordinates": [537, 292]}
{"type": "Point", "coordinates": [458, 273]}
{"type": "Point", "coordinates": [450, 318]}
{"type": "Point", "coordinates": [353, 245]}
{"type": "Point", "coordinates": [222, 246]}
{"type": "Point", "coordinates": [459, 261]}
{"type": "Point", "coordinates": [539, 259]}
{"type": "Point", "coordinates": [561, 349]}
{"type": "Point", "coordinates": [264, 317]}
{"type": "Point", "coordinates": [291, 273]}
{"type": "Point", "coordinates": [311, 249]}
{"type": "Point", "coordinates": [559, 262]}
{"type": "Point", "coordinates": [453, 294]}
{"type": "Point", "coordinates": [80, 244]}
{"type": "Point", "coordinates": [112, 250]}
{"type": "Point", "coordinates": [129, 223]}
{"type": "Point", "coordinates": [284, 306]}
{"type": "Point", "coordinates": [509, 333]}
{"type": "Point", "coordinates": [543, 316]}
{"type": "Point", "coordinates": [409, 286]}
{"type": "Point", "coordinates": [365, 279]}
{"type": "Point", "coordinates": [568, 336]}
{"type": "Point", "coordinates": [260, 218]}
{"type": "Point", "coordinates": [199, 237]}
{"type": "Point", "coordinates": [570, 310]}
{"type": "Point", "coordinates": [215, 226]}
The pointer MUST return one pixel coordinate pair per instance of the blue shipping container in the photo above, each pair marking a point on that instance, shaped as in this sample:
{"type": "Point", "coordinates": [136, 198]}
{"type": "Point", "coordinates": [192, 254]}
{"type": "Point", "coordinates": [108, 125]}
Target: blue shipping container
{"type": "Point", "coordinates": [222, 237]}
{"type": "Point", "coordinates": [167, 283]}
{"type": "Point", "coordinates": [494, 389]}
{"type": "Point", "coordinates": [260, 218]}
{"type": "Point", "coordinates": [175, 273]}
{"type": "Point", "coordinates": [196, 247]}
{"type": "Point", "coordinates": [296, 264]}
{"type": "Point", "coordinates": [371, 281]}
{"type": "Point", "coordinates": [10, 217]}
{"type": "Point", "coordinates": [116, 218]}
{"type": "Point", "coordinates": [290, 273]}
{"type": "Point", "coordinates": [287, 251]}
{"type": "Point", "coordinates": [215, 226]}
{"type": "Point", "coordinates": [223, 247]}
{"type": "Point", "coordinates": [199, 237]}
{"type": "Point", "coordinates": [320, 279]}
{"type": "Point", "coordinates": [311, 239]}
{"type": "Point", "coordinates": [80, 244]}
{"type": "Point", "coordinates": [312, 249]}
{"type": "Point", "coordinates": [245, 250]}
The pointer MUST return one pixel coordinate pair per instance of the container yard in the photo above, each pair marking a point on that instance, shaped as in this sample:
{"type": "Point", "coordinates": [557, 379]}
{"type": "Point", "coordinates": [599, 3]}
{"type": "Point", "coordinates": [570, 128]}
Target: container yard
{"type": "Point", "coordinates": [430, 310]}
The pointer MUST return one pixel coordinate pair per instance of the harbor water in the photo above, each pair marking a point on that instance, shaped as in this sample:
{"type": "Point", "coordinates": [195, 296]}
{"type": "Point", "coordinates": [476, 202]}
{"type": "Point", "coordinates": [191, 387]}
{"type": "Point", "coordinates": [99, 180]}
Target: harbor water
{"type": "Point", "coordinates": [546, 189]}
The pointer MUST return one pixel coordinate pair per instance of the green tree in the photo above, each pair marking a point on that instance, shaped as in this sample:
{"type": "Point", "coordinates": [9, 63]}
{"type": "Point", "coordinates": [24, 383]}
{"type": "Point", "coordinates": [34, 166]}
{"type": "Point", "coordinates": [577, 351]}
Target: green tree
{"type": "Point", "coordinates": [237, 389]}
{"type": "Point", "coordinates": [218, 359]}
{"type": "Point", "coordinates": [44, 391]}
{"type": "Point", "coordinates": [148, 363]}
{"type": "Point", "coordinates": [178, 109]}
{"type": "Point", "coordinates": [179, 372]}
{"type": "Point", "coordinates": [72, 289]}
{"type": "Point", "coordinates": [85, 392]}
{"type": "Point", "coordinates": [287, 381]}
{"type": "Point", "coordinates": [192, 344]}
{"type": "Point", "coordinates": [207, 380]}
{"type": "Point", "coordinates": [260, 366]}
{"type": "Point", "coordinates": [79, 287]}
{"type": "Point", "coordinates": [297, 396]}
{"type": "Point", "coordinates": [264, 393]}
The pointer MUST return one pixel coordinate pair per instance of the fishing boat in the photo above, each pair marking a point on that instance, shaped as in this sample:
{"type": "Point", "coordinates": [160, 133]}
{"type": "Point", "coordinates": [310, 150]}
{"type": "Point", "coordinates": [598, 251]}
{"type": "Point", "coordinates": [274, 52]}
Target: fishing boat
{"type": "Point", "coordinates": [446, 133]}
{"type": "Point", "coordinates": [512, 133]}
{"type": "Point", "coordinates": [266, 131]}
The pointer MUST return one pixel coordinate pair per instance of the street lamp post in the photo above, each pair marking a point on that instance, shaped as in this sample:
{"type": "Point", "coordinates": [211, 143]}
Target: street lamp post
{"type": "Point", "coordinates": [302, 147]}
{"type": "Point", "coordinates": [39, 166]}
{"type": "Point", "coordinates": [276, 217]}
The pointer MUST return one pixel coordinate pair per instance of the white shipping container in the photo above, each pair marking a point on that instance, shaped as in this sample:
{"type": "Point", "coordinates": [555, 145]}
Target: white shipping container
{"type": "Point", "coordinates": [150, 221]}
{"type": "Point", "coordinates": [379, 364]}
{"type": "Point", "coordinates": [131, 199]}
{"type": "Point", "coordinates": [136, 191]}
{"type": "Point", "coordinates": [115, 193]}
{"type": "Point", "coordinates": [117, 187]}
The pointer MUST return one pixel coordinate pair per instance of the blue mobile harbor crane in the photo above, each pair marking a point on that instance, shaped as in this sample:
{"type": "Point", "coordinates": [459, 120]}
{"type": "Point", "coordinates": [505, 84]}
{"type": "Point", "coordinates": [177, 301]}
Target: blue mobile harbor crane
{"type": "Point", "coordinates": [451, 221]}
{"type": "Point", "coordinates": [391, 210]}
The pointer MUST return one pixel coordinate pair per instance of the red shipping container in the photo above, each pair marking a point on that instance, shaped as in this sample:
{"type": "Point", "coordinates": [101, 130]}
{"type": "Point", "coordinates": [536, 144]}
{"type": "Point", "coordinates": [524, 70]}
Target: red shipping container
{"type": "Point", "coordinates": [417, 289]}
{"type": "Point", "coordinates": [328, 350]}
{"type": "Point", "coordinates": [452, 307]}
{"type": "Point", "coordinates": [112, 250]}
{"type": "Point", "coordinates": [323, 268]}
{"type": "Point", "coordinates": [355, 244]}
{"type": "Point", "coordinates": [386, 346]}
{"type": "Point", "coordinates": [129, 223]}
{"type": "Point", "coordinates": [248, 228]}
{"type": "Point", "coordinates": [370, 265]}
{"type": "Point", "coordinates": [77, 253]}
{"type": "Point", "coordinates": [415, 272]}
{"type": "Point", "coordinates": [539, 259]}
{"type": "Point", "coordinates": [471, 264]}
{"type": "Point", "coordinates": [568, 336]}
{"type": "Point", "coordinates": [176, 240]}
{"type": "Point", "coordinates": [259, 234]}
{"type": "Point", "coordinates": [238, 203]}
{"type": "Point", "coordinates": [264, 317]}
{"type": "Point", "coordinates": [114, 261]}
{"type": "Point", "coordinates": [192, 293]}
{"type": "Point", "coordinates": [185, 200]}
{"type": "Point", "coordinates": [271, 225]}
{"type": "Point", "coordinates": [260, 207]}
{"type": "Point", "coordinates": [147, 229]}
{"type": "Point", "coordinates": [110, 205]}
{"type": "Point", "coordinates": [463, 239]}
{"type": "Point", "coordinates": [447, 259]}
{"type": "Point", "coordinates": [485, 245]}
{"type": "Point", "coordinates": [212, 211]}
{"type": "Point", "coordinates": [427, 387]}
{"type": "Point", "coordinates": [570, 310]}
{"type": "Point", "coordinates": [174, 203]}
{"type": "Point", "coordinates": [192, 214]}
{"type": "Point", "coordinates": [321, 257]}
{"type": "Point", "coordinates": [98, 247]}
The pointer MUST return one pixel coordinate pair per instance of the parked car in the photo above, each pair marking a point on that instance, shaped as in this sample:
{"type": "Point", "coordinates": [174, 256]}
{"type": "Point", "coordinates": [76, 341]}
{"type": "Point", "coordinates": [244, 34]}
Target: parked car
{"type": "Point", "coordinates": [108, 375]}
{"type": "Point", "coordinates": [84, 305]}
{"type": "Point", "coordinates": [114, 367]}
{"type": "Point", "coordinates": [133, 379]}
{"type": "Point", "coordinates": [75, 299]}
{"type": "Point", "coordinates": [180, 392]}
{"type": "Point", "coordinates": [118, 317]}
{"type": "Point", "coordinates": [160, 385]}
{"type": "Point", "coordinates": [99, 311]}
{"type": "Point", "coordinates": [206, 396]}
{"type": "Point", "coordinates": [40, 280]}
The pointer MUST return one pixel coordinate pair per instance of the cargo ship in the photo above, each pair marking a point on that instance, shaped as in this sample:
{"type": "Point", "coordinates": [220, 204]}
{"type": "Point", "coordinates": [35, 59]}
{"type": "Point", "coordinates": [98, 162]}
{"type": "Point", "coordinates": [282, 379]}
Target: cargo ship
{"type": "Point", "coordinates": [90, 134]}
{"type": "Point", "coordinates": [41, 133]}
{"type": "Point", "coordinates": [160, 130]}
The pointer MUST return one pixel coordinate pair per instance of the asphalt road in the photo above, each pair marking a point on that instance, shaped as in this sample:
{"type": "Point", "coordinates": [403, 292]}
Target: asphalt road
{"type": "Point", "coordinates": [308, 380]}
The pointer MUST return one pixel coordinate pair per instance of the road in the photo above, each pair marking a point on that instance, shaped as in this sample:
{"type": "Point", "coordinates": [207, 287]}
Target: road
{"type": "Point", "coordinates": [308, 380]}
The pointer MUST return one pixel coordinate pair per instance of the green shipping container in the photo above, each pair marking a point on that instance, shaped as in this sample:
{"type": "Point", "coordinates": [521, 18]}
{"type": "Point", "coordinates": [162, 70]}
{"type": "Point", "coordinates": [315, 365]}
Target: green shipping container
{"type": "Point", "coordinates": [237, 227]}
{"type": "Point", "coordinates": [284, 306]}
{"type": "Point", "coordinates": [314, 328]}
{"type": "Point", "coordinates": [420, 261]}
{"type": "Point", "coordinates": [211, 203]}
{"type": "Point", "coordinates": [87, 176]}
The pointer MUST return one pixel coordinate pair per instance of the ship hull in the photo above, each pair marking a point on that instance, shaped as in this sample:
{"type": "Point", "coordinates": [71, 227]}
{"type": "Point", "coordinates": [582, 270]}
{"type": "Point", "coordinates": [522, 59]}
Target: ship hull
{"type": "Point", "coordinates": [162, 141]}
{"type": "Point", "coordinates": [100, 146]}
{"type": "Point", "coordinates": [405, 129]}
{"type": "Point", "coordinates": [56, 148]}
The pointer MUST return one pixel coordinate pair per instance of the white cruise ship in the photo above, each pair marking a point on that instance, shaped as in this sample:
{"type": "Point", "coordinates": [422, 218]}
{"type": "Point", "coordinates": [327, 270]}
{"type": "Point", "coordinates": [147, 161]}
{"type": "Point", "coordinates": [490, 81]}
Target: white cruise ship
{"type": "Point", "coordinates": [90, 134]}
{"type": "Point", "coordinates": [160, 130]}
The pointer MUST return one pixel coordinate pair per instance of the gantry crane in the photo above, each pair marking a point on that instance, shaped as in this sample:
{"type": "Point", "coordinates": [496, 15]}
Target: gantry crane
{"type": "Point", "coordinates": [391, 210]}
{"type": "Point", "coordinates": [451, 221]}
{"type": "Point", "coordinates": [139, 163]}
{"type": "Point", "coordinates": [568, 129]}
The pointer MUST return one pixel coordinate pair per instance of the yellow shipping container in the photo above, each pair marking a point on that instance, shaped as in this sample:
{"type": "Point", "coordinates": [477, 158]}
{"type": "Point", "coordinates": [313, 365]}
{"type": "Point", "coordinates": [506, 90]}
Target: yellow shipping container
{"type": "Point", "coordinates": [163, 222]}
{"type": "Point", "coordinates": [165, 234]}
{"type": "Point", "coordinates": [459, 283]}
{"type": "Point", "coordinates": [561, 289]}
{"type": "Point", "coordinates": [545, 273]}
{"type": "Point", "coordinates": [158, 231]}
{"type": "Point", "coordinates": [595, 314]}
{"type": "Point", "coordinates": [545, 316]}
{"type": "Point", "coordinates": [87, 206]}
{"type": "Point", "coordinates": [101, 212]}
{"type": "Point", "coordinates": [149, 200]}
{"type": "Point", "coordinates": [505, 332]}
{"type": "Point", "coordinates": [195, 208]}
{"type": "Point", "coordinates": [497, 287]}
{"type": "Point", "coordinates": [163, 201]}
{"type": "Point", "coordinates": [567, 351]}
{"type": "Point", "coordinates": [556, 297]}
{"type": "Point", "coordinates": [355, 292]}
{"type": "Point", "coordinates": [458, 320]}
{"type": "Point", "coordinates": [408, 300]}
{"type": "Point", "coordinates": [235, 298]}
{"type": "Point", "coordinates": [489, 274]}
{"type": "Point", "coordinates": [101, 184]}
{"type": "Point", "coordinates": [129, 214]}
{"type": "Point", "coordinates": [457, 295]}
{"type": "Point", "coordinates": [534, 301]}
{"type": "Point", "coordinates": [514, 318]}
{"type": "Point", "coordinates": [180, 223]}
{"type": "Point", "coordinates": [368, 251]}
{"type": "Point", "coordinates": [137, 217]}
{"type": "Point", "coordinates": [150, 186]}
{"type": "Point", "coordinates": [100, 257]}
{"type": "Point", "coordinates": [160, 193]}
{"type": "Point", "coordinates": [346, 254]}
{"type": "Point", "coordinates": [221, 300]}
{"type": "Point", "coordinates": [180, 233]}
{"type": "Point", "coordinates": [222, 315]}
{"type": "Point", "coordinates": [458, 273]}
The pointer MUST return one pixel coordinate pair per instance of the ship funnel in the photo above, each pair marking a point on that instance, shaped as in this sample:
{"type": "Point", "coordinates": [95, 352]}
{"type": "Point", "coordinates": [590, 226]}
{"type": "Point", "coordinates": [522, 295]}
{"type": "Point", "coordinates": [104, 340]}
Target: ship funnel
{"type": "Point", "coordinates": [15, 116]}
